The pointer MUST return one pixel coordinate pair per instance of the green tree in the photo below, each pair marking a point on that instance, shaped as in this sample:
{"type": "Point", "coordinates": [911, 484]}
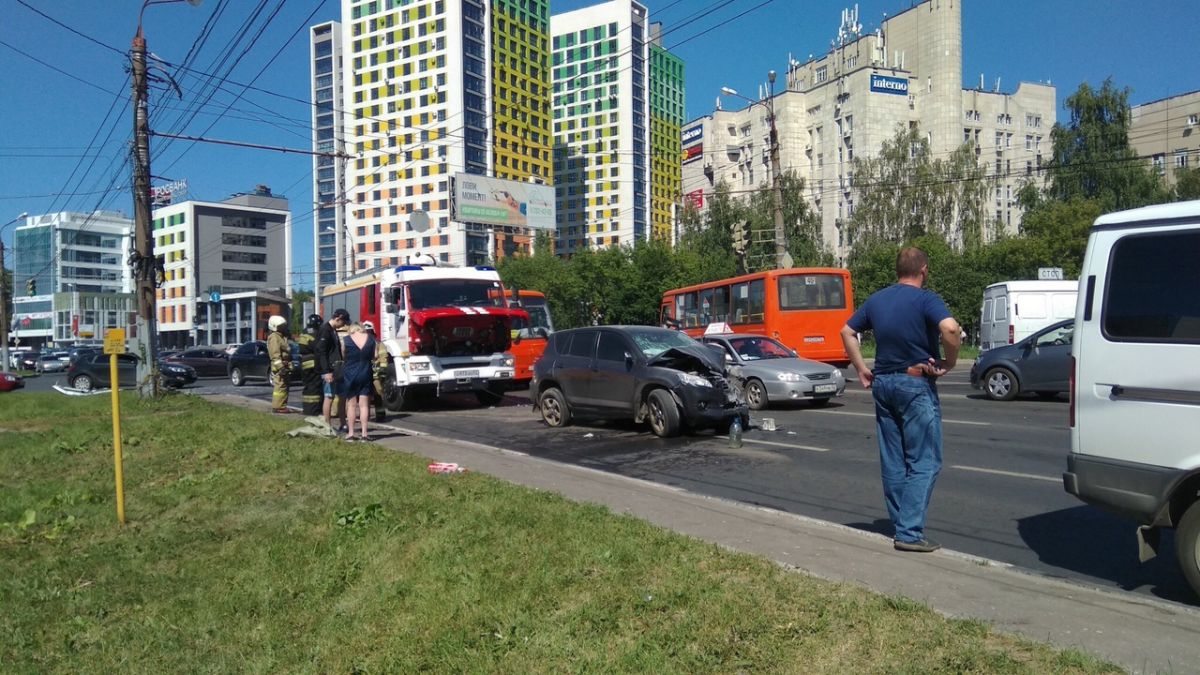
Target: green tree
{"type": "Point", "coordinates": [801, 226]}
{"type": "Point", "coordinates": [1060, 229]}
{"type": "Point", "coordinates": [705, 245]}
{"type": "Point", "coordinates": [905, 193]}
{"type": "Point", "coordinates": [1187, 184]}
{"type": "Point", "coordinates": [299, 297]}
{"type": "Point", "coordinates": [1092, 157]}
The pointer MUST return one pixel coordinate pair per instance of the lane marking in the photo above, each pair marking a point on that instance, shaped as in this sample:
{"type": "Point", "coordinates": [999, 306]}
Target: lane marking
{"type": "Point", "coordinates": [779, 445]}
{"type": "Point", "coordinates": [1011, 474]}
{"type": "Point", "coordinates": [872, 416]}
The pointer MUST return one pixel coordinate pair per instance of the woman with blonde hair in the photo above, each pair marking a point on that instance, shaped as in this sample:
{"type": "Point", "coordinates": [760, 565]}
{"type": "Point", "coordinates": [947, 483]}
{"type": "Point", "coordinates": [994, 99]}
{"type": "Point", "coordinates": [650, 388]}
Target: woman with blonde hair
{"type": "Point", "coordinates": [358, 350]}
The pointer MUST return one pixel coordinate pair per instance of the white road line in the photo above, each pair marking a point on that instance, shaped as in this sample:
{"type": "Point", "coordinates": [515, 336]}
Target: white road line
{"type": "Point", "coordinates": [872, 416]}
{"type": "Point", "coordinates": [1012, 474]}
{"type": "Point", "coordinates": [779, 445]}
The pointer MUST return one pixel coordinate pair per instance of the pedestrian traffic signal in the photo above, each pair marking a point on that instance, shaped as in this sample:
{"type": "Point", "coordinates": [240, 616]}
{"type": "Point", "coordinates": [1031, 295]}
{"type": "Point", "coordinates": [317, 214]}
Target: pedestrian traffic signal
{"type": "Point", "coordinates": [31, 286]}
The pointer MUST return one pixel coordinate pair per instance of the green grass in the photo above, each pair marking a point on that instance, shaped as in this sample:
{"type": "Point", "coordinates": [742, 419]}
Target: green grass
{"type": "Point", "coordinates": [250, 551]}
{"type": "Point", "coordinates": [966, 354]}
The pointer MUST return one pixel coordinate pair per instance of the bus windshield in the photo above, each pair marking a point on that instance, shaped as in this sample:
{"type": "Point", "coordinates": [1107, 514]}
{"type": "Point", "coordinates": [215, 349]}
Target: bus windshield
{"type": "Point", "coordinates": [454, 293]}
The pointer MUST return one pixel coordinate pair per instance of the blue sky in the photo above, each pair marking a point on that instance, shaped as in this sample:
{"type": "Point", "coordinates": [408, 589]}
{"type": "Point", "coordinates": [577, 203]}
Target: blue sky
{"type": "Point", "coordinates": [49, 118]}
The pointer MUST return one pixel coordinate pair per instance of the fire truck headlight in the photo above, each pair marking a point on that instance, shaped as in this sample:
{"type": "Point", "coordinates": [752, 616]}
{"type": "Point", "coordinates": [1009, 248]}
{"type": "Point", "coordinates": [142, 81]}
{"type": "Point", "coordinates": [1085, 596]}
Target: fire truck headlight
{"type": "Point", "coordinates": [507, 362]}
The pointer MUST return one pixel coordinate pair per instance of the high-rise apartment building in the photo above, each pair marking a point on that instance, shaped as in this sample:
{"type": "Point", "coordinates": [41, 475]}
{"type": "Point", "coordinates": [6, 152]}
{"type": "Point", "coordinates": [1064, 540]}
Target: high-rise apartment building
{"type": "Point", "coordinates": [616, 97]}
{"type": "Point", "coordinates": [666, 124]}
{"type": "Point", "coordinates": [325, 56]}
{"type": "Point", "coordinates": [1167, 131]}
{"type": "Point", "coordinates": [434, 88]}
{"type": "Point", "coordinates": [855, 97]}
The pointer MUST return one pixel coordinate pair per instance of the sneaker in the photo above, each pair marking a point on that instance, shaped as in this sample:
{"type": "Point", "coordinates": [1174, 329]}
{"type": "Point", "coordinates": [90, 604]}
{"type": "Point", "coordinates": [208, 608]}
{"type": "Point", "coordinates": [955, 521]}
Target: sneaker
{"type": "Point", "coordinates": [920, 546]}
{"type": "Point", "coordinates": [282, 411]}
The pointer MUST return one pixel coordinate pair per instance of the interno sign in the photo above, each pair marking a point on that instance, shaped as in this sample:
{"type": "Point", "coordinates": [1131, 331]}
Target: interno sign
{"type": "Point", "coordinates": [889, 85]}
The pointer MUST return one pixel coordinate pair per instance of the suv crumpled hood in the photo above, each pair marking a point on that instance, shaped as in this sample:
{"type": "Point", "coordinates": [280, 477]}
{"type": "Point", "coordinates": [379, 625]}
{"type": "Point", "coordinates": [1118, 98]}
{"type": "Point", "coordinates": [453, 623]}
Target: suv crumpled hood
{"type": "Point", "coordinates": [463, 331]}
{"type": "Point", "coordinates": [699, 359]}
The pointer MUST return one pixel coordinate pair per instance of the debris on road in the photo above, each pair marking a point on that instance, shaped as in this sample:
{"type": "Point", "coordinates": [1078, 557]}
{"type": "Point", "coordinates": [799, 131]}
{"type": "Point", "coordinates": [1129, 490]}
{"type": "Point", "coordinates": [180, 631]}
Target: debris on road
{"type": "Point", "coordinates": [446, 467]}
{"type": "Point", "coordinates": [768, 424]}
{"type": "Point", "coordinates": [589, 435]}
{"type": "Point", "coordinates": [316, 426]}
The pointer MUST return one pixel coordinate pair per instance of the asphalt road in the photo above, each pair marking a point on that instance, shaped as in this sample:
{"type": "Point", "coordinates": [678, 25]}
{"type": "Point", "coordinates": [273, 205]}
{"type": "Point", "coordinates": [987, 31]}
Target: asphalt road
{"type": "Point", "coordinates": [999, 496]}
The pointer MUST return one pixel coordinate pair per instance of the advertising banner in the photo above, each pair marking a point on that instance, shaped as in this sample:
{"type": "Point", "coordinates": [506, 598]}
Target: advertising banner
{"type": "Point", "coordinates": [696, 198]}
{"type": "Point", "coordinates": [495, 201]}
{"type": "Point", "coordinates": [693, 153]}
{"type": "Point", "coordinates": [693, 135]}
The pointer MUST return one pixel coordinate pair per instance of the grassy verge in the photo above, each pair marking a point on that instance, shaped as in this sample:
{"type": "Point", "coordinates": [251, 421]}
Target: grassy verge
{"type": "Point", "coordinates": [966, 354]}
{"type": "Point", "coordinates": [247, 550]}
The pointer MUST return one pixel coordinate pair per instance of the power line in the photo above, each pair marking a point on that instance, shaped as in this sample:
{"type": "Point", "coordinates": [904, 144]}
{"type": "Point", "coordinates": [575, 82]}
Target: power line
{"type": "Point", "coordinates": [243, 144]}
{"type": "Point", "coordinates": [56, 69]}
{"type": "Point", "coordinates": [80, 34]}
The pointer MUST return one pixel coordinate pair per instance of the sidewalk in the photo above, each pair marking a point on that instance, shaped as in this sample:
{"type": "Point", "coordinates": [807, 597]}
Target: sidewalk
{"type": "Point", "coordinates": [1140, 633]}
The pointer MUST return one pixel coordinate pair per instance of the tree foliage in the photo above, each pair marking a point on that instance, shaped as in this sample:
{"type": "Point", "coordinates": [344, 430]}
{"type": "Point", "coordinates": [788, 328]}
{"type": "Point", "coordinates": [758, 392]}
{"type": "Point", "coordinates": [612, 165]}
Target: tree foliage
{"type": "Point", "coordinates": [1092, 156]}
{"type": "Point", "coordinates": [904, 193]}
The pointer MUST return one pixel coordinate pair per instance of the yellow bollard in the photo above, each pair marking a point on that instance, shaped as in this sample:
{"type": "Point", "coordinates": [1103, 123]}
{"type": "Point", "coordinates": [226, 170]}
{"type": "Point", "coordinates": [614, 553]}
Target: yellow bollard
{"type": "Point", "coordinates": [114, 343]}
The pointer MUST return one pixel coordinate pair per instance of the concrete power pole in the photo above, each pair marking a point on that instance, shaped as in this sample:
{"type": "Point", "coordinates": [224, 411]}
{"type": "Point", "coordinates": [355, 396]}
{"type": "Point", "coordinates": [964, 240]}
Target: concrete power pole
{"type": "Point", "coordinates": [143, 260]}
{"type": "Point", "coordinates": [782, 258]}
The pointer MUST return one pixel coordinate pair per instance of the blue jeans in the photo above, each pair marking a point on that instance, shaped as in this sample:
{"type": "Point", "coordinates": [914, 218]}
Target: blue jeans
{"type": "Point", "coordinates": [908, 417]}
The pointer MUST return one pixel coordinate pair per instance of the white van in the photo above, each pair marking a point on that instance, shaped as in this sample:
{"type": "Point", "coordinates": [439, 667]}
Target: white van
{"type": "Point", "coordinates": [1135, 395]}
{"type": "Point", "coordinates": [1014, 310]}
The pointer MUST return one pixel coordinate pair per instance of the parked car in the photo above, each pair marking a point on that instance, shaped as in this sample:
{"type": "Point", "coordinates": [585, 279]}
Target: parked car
{"type": "Point", "coordinates": [773, 373]}
{"type": "Point", "coordinates": [250, 362]}
{"type": "Point", "coordinates": [51, 362]}
{"type": "Point", "coordinates": [75, 353]}
{"type": "Point", "coordinates": [208, 361]}
{"type": "Point", "coordinates": [1041, 363]}
{"type": "Point", "coordinates": [11, 381]}
{"type": "Point", "coordinates": [93, 371]}
{"type": "Point", "coordinates": [29, 360]}
{"type": "Point", "coordinates": [642, 373]}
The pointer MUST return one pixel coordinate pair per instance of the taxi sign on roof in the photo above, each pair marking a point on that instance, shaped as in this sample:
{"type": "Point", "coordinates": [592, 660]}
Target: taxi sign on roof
{"type": "Point", "coordinates": [717, 328]}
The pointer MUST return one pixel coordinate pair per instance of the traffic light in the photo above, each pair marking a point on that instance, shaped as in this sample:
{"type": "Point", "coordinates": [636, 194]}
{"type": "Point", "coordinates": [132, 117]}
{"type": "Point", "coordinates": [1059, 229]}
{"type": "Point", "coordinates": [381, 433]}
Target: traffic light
{"type": "Point", "coordinates": [741, 238]}
{"type": "Point", "coordinates": [31, 286]}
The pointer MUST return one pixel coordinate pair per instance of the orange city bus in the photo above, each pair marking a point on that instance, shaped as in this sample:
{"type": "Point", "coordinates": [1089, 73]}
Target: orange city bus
{"type": "Point", "coordinates": [533, 337]}
{"type": "Point", "coordinates": [804, 308]}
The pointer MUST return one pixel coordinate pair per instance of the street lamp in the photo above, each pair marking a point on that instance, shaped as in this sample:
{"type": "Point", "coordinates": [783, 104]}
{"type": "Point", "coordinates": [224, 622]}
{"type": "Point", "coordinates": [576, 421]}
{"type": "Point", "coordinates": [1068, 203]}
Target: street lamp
{"type": "Point", "coordinates": [782, 258]}
{"type": "Point", "coordinates": [4, 297]}
{"type": "Point", "coordinates": [143, 254]}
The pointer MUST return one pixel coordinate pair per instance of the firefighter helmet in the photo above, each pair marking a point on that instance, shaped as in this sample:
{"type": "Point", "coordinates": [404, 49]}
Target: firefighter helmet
{"type": "Point", "coordinates": [314, 321]}
{"type": "Point", "coordinates": [276, 322]}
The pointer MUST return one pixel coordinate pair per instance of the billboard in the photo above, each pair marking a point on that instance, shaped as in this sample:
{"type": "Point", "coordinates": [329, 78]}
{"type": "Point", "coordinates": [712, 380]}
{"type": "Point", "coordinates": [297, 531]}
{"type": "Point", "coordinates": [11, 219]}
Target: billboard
{"type": "Point", "coordinates": [495, 201]}
{"type": "Point", "coordinates": [695, 198]}
{"type": "Point", "coordinates": [693, 153]}
{"type": "Point", "coordinates": [889, 85]}
{"type": "Point", "coordinates": [693, 135]}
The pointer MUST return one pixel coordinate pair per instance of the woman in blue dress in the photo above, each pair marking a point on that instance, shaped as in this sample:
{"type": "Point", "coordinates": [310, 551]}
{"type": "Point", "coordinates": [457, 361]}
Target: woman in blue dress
{"type": "Point", "coordinates": [358, 352]}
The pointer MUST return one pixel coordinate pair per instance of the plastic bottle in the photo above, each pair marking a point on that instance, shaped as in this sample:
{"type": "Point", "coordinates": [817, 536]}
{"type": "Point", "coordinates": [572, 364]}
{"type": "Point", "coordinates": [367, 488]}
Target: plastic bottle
{"type": "Point", "coordinates": [735, 433]}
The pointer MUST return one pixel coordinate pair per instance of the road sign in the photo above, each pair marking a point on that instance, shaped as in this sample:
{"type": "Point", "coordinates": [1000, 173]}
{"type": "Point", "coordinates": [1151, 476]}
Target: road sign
{"type": "Point", "coordinates": [1050, 274]}
{"type": "Point", "coordinates": [114, 341]}
{"type": "Point", "coordinates": [215, 296]}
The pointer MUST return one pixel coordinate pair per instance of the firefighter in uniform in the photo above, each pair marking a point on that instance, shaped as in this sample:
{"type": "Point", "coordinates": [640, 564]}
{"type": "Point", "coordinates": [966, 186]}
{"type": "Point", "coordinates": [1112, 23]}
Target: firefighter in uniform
{"type": "Point", "coordinates": [307, 340]}
{"type": "Point", "coordinates": [280, 353]}
{"type": "Point", "coordinates": [379, 368]}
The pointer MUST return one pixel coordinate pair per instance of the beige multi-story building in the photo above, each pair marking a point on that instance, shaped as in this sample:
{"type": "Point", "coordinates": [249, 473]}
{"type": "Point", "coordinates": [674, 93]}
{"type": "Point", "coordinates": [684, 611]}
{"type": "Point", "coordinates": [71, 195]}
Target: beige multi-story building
{"type": "Point", "coordinates": [1168, 132]}
{"type": "Point", "coordinates": [857, 96]}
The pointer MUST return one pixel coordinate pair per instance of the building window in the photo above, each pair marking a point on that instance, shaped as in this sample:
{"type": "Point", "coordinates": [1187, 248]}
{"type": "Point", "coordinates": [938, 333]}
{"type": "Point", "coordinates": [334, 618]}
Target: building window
{"type": "Point", "coordinates": [1181, 158]}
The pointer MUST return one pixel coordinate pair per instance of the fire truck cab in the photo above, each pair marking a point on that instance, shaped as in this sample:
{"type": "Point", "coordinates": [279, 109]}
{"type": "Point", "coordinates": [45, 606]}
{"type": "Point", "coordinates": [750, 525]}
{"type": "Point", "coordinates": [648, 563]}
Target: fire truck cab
{"type": "Point", "coordinates": [447, 330]}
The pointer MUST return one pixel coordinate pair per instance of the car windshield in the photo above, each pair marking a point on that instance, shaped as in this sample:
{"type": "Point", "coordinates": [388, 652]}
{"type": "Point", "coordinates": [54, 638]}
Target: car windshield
{"type": "Point", "coordinates": [654, 342]}
{"type": "Point", "coordinates": [756, 348]}
{"type": "Point", "coordinates": [454, 293]}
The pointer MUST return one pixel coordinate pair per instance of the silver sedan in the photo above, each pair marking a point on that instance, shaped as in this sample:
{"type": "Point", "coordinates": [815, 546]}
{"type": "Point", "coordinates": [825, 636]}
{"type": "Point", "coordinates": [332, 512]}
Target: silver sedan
{"type": "Point", "coordinates": [773, 373]}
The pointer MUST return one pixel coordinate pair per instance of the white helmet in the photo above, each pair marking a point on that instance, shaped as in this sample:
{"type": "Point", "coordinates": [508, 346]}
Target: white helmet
{"type": "Point", "coordinates": [276, 322]}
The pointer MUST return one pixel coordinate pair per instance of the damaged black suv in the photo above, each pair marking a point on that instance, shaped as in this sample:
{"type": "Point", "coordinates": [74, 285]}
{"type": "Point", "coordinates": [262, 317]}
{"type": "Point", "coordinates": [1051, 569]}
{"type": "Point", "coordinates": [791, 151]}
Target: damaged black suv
{"type": "Point", "coordinates": [648, 374]}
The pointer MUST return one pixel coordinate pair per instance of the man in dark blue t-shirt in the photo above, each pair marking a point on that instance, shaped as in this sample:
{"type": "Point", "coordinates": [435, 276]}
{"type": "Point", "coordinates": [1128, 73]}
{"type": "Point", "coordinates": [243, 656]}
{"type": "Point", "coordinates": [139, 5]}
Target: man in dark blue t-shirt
{"type": "Point", "coordinates": [908, 321]}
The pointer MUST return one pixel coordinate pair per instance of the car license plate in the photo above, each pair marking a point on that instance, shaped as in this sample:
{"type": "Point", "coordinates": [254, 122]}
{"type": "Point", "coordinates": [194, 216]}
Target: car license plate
{"type": "Point", "coordinates": [824, 388]}
{"type": "Point", "coordinates": [463, 374]}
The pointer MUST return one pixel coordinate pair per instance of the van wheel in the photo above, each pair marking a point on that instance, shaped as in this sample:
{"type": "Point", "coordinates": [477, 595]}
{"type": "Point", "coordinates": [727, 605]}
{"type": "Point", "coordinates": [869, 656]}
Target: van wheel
{"type": "Point", "coordinates": [1187, 545]}
{"type": "Point", "coordinates": [663, 414]}
{"type": "Point", "coordinates": [1001, 385]}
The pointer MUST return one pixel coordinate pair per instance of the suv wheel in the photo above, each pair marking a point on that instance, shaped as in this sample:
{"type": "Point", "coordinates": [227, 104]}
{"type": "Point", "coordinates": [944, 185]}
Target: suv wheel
{"type": "Point", "coordinates": [236, 377]}
{"type": "Point", "coordinates": [663, 414]}
{"type": "Point", "coordinates": [555, 411]}
{"type": "Point", "coordinates": [83, 382]}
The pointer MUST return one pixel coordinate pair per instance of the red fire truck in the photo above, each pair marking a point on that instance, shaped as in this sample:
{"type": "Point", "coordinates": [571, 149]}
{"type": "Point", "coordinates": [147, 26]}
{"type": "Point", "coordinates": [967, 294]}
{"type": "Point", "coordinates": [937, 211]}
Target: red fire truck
{"type": "Point", "coordinates": [447, 329]}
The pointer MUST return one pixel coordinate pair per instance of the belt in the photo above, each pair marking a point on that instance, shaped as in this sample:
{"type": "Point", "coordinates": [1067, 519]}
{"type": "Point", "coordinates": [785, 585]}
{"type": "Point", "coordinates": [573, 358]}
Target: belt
{"type": "Point", "coordinates": [916, 371]}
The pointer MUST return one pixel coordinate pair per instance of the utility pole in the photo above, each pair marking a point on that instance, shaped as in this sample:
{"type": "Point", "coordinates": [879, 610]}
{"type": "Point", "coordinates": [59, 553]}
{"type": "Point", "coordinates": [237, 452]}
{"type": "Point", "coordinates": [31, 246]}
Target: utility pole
{"type": "Point", "coordinates": [143, 256]}
{"type": "Point", "coordinates": [4, 279]}
{"type": "Point", "coordinates": [782, 258]}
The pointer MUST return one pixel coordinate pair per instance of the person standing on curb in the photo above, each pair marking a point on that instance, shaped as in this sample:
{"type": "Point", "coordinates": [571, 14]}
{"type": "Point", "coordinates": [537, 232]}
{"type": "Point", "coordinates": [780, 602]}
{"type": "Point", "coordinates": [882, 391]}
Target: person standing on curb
{"type": "Point", "coordinates": [280, 353]}
{"type": "Point", "coordinates": [307, 340]}
{"type": "Point", "coordinates": [329, 361]}
{"type": "Point", "coordinates": [358, 349]}
{"type": "Point", "coordinates": [907, 320]}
